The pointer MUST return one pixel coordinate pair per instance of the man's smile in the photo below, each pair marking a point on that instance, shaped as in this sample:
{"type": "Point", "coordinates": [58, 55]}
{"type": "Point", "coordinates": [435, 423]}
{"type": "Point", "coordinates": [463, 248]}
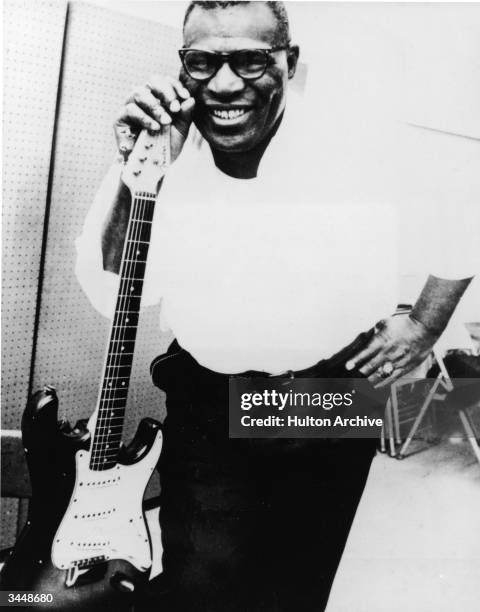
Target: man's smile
{"type": "Point", "coordinates": [224, 115]}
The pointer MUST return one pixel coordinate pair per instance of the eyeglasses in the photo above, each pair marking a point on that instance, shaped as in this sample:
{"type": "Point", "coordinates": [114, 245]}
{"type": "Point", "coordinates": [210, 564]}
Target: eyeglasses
{"type": "Point", "coordinates": [248, 64]}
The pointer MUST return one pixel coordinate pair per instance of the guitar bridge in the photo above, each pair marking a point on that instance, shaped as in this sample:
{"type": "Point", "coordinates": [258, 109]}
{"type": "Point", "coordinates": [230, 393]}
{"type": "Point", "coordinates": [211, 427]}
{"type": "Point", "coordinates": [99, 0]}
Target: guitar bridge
{"type": "Point", "coordinates": [87, 570]}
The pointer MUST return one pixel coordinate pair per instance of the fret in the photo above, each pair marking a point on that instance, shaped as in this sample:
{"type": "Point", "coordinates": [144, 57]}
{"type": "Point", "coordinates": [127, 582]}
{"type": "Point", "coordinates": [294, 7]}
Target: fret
{"type": "Point", "coordinates": [137, 248]}
{"type": "Point", "coordinates": [133, 279]}
{"type": "Point", "coordinates": [125, 378]}
{"type": "Point", "coordinates": [111, 409]}
{"type": "Point", "coordinates": [112, 439]}
{"type": "Point", "coordinates": [140, 232]}
{"type": "Point", "coordinates": [141, 221]}
{"type": "Point", "coordinates": [127, 312]}
{"type": "Point", "coordinates": [117, 390]}
{"type": "Point", "coordinates": [108, 410]}
{"type": "Point", "coordinates": [101, 468]}
{"type": "Point", "coordinates": [104, 400]}
{"type": "Point", "coordinates": [121, 370]}
{"type": "Point", "coordinates": [125, 334]}
{"type": "Point", "coordinates": [108, 451]}
{"type": "Point", "coordinates": [123, 344]}
{"type": "Point", "coordinates": [122, 317]}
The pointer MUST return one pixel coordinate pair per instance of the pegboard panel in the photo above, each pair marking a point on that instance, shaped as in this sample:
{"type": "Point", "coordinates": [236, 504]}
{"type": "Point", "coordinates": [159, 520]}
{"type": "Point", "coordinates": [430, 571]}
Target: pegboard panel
{"type": "Point", "coordinates": [8, 525]}
{"type": "Point", "coordinates": [33, 45]}
{"type": "Point", "coordinates": [106, 55]}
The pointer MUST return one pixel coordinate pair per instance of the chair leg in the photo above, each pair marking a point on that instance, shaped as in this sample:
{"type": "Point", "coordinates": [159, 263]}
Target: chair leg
{"type": "Point", "coordinates": [388, 425]}
{"type": "Point", "coordinates": [395, 413]}
{"type": "Point", "coordinates": [419, 419]}
{"type": "Point", "coordinates": [472, 438]}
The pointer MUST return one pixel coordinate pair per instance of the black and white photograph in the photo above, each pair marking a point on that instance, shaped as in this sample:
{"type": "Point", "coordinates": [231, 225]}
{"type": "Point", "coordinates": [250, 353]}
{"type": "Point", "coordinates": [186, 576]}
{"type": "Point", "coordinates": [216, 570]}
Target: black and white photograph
{"type": "Point", "coordinates": [240, 316]}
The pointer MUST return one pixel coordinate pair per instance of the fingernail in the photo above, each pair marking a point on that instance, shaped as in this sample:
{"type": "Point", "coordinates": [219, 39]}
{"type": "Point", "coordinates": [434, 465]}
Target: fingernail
{"type": "Point", "coordinates": [154, 125]}
{"type": "Point", "coordinates": [349, 365]}
{"type": "Point", "coordinates": [184, 93]}
{"type": "Point", "coordinates": [165, 119]}
{"type": "Point", "coordinates": [175, 106]}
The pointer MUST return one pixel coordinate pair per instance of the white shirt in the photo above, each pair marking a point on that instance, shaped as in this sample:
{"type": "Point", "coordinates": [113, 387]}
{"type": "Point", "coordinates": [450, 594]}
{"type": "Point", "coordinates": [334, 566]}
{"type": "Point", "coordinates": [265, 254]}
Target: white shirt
{"type": "Point", "coordinates": [272, 273]}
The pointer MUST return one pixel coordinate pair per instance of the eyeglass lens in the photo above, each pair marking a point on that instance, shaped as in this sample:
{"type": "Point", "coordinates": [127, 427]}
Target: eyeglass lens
{"type": "Point", "coordinates": [245, 63]}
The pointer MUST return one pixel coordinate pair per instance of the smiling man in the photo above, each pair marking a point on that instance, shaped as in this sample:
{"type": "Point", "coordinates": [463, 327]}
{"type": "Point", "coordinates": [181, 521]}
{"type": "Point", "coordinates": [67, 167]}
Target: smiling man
{"type": "Point", "coordinates": [263, 261]}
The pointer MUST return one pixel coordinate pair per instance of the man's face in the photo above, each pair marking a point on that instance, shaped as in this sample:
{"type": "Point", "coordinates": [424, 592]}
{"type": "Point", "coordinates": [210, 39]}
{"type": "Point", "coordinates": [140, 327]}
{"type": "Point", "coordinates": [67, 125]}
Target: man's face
{"type": "Point", "coordinates": [257, 104]}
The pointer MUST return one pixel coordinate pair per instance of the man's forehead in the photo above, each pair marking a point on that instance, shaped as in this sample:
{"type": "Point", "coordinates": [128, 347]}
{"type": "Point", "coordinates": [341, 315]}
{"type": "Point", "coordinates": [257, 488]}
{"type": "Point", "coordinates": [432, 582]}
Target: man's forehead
{"type": "Point", "coordinates": [241, 24]}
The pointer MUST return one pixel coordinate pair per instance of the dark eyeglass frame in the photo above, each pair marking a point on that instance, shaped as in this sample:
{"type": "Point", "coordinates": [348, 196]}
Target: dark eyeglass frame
{"type": "Point", "coordinates": [224, 57]}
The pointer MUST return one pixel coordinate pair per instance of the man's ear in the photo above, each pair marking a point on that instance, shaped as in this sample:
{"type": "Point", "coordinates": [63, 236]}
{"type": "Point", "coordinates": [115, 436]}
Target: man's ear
{"type": "Point", "coordinates": [292, 58]}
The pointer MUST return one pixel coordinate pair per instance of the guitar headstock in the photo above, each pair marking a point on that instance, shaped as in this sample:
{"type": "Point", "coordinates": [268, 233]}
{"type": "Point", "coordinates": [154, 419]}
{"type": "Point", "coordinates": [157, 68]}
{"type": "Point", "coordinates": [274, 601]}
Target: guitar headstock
{"type": "Point", "coordinates": [148, 161]}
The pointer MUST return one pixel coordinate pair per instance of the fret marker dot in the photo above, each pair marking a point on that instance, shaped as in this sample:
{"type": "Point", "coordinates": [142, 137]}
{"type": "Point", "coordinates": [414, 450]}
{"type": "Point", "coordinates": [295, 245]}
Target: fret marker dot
{"type": "Point", "coordinates": [123, 383]}
{"type": "Point", "coordinates": [123, 348]}
{"type": "Point", "coordinates": [109, 384]}
{"type": "Point", "coordinates": [111, 414]}
{"type": "Point", "coordinates": [127, 319]}
{"type": "Point", "coordinates": [138, 252]}
{"type": "Point", "coordinates": [132, 288]}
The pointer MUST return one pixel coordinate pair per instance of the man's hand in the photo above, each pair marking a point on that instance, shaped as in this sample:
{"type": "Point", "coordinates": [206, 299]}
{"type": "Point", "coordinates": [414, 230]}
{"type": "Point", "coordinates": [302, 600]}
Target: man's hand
{"type": "Point", "coordinates": [400, 341]}
{"type": "Point", "coordinates": [163, 101]}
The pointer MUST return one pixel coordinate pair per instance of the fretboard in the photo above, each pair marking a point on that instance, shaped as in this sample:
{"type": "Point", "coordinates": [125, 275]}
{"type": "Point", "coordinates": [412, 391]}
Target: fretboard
{"type": "Point", "coordinates": [118, 365]}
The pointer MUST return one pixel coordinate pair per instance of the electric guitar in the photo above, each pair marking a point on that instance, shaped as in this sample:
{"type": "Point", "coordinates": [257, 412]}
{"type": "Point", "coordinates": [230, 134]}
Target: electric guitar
{"type": "Point", "coordinates": [86, 541]}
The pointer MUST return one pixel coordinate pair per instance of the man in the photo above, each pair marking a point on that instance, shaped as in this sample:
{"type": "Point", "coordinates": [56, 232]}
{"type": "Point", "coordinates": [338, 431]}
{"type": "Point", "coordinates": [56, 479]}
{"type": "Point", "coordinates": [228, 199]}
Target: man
{"type": "Point", "coordinates": [263, 264]}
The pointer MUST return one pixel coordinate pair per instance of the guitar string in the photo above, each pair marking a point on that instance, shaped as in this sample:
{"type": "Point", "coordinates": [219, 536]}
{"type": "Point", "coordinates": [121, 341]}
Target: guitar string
{"type": "Point", "coordinates": [141, 226]}
{"type": "Point", "coordinates": [119, 336]}
{"type": "Point", "coordinates": [102, 424]}
{"type": "Point", "coordinates": [118, 339]}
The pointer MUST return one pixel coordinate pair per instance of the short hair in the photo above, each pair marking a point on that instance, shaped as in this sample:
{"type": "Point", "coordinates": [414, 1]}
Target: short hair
{"type": "Point", "coordinates": [282, 34]}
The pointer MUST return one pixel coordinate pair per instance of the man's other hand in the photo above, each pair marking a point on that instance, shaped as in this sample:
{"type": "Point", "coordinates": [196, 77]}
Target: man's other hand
{"type": "Point", "coordinates": [162, 101]}
{"type": "Point", "coordinates": [400, 341]}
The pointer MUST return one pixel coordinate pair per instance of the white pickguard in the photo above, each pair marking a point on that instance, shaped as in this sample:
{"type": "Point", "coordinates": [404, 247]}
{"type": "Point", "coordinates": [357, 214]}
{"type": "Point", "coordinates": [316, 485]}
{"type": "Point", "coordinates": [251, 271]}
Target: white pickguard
{"type": "Point", "coordinates": [104, 518]}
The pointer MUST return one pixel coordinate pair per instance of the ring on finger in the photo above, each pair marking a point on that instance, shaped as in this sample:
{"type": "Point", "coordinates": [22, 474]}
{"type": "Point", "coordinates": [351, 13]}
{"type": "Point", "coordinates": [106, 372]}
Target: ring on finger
{"type": "Point", "coordinates": [386, 369]}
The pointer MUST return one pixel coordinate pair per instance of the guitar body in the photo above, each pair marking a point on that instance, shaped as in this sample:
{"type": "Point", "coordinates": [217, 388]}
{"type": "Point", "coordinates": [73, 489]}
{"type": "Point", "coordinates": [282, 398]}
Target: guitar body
{"type": "Point", "coordinates": [86, 541]}
{"type": "Point", "coordinates": [116, 553]}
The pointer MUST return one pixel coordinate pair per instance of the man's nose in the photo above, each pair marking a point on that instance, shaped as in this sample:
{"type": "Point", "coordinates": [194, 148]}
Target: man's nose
{"type": "Point", "coordinates": [225, 81]}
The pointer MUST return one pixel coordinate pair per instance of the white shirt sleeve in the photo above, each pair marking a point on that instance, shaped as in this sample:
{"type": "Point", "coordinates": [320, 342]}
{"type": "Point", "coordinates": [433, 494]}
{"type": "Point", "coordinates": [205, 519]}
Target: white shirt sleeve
{"type": "Point", "coordinates": [100, 286]}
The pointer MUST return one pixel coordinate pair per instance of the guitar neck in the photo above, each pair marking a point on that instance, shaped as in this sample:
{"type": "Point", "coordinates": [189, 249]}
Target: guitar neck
{"type": "Point", "coordinates": [118, 365]}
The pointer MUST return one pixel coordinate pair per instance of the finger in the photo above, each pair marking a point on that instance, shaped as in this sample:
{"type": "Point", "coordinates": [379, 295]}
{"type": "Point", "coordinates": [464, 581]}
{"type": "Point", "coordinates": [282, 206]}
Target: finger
{"type": "Point", "coordinates": [126, 137]}
{"type": "Point", "coordinates": [375, 363]}
{"type": "Point", "coordinates": [370, 351]}
{"type": "Point", "coordinates": [186, 109]}
{"type": "Point", "coordinates": [145, 99]}
{"type": "Point", "coordinates": [134, 115]}
{"type": "Point", "coordinates": [380, 382]}
{"type": "Point", "coordinates": [170, 92]}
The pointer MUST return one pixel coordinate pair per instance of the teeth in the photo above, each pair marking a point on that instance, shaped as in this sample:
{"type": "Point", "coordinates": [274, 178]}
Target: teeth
{"type": "Point", "coordinates": [228, 114]}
